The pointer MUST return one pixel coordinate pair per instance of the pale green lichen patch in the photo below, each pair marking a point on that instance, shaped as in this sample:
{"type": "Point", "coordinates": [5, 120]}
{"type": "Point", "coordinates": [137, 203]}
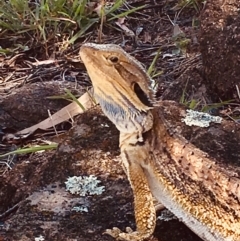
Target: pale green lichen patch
{"type": "Point", "coordinates": [40, 238]}
{"type": "Point", "coordinates": [84, 185]}
{"type": "Point", "coordinates": [201, 119]}
{"type": "Point", "coordinates": [80, 209]}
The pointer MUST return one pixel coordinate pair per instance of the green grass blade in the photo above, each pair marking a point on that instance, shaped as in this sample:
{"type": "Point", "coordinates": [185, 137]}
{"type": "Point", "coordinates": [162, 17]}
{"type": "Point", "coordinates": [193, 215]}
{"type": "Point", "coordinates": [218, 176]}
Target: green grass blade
{"type": "Point", "coordinates": [31, 149]}
{"type": "Point", "coordinates": [182, 99]}
{"type": "Point", "coordinates": [124, 14]}
{"type": "Point", "coordinates": [117, 5]}
{"type": "Point", "coordinates": [193, 104]}
{"type": "Point", "coordinates": [75, 99]}
{"type": "Point", "coordinates": [152, 66]}
{"type": "Point", "coordinates": [83, 30]}
{"type": "Point", "coordinates": [206, 108]}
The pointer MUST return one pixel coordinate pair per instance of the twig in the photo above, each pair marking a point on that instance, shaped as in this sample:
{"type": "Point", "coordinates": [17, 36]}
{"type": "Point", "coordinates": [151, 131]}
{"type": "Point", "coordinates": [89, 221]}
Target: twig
{"type": "Point", "coordinates": [50, 116]}
{"type": "Point", "coordinates": [238, 91]}
{"type": "Point", "coordinates": [10, 210]}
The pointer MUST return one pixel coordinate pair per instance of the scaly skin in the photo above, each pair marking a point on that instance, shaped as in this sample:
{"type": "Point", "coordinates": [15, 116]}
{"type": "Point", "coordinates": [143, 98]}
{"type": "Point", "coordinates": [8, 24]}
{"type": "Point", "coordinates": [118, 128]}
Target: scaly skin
{"type": "Point", "coordinates": [158, 162]}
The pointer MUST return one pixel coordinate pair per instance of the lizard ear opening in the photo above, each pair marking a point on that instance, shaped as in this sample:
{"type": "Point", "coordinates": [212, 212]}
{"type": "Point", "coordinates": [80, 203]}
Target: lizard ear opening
{"type": "Point", "coordinates": [141, 95]}
{"type": "Point", "coordinates": [113, 59]}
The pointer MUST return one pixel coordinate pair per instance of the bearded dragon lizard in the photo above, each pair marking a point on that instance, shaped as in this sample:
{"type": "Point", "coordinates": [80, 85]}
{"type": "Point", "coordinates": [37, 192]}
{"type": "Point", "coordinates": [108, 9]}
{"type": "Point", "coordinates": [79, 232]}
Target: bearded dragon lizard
{"type": "Point", "coordinates": [160, 164]}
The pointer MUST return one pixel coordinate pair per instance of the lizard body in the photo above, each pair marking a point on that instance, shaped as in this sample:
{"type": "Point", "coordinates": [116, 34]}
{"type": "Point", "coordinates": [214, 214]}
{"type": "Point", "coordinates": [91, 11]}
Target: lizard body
{"type": "Point", "coordinates": [159, 163]}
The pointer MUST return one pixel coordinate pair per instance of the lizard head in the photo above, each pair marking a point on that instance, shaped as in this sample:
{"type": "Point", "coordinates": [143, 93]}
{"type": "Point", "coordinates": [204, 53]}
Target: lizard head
{"type": "Point", "coordinates": [116, 74]}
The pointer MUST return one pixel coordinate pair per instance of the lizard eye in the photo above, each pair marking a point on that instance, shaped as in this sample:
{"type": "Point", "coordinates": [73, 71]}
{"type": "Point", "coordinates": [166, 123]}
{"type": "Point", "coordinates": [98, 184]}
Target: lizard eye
{"type": "Point", "coordinates": [114, 59]}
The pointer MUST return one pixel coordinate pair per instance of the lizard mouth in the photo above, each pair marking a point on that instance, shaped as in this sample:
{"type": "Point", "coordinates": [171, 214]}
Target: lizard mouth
{"type": "Point", "coordinates": [141, 95]}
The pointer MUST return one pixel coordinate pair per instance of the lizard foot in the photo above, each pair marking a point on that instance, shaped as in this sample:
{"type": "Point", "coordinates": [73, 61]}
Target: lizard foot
{"type": "Point", "coordinates": [130, 235]}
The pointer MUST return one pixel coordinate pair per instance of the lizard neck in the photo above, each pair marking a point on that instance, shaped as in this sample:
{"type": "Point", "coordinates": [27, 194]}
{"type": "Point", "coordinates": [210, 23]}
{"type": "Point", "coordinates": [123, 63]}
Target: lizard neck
{"type": "Point", "coordinates": [130, 121]}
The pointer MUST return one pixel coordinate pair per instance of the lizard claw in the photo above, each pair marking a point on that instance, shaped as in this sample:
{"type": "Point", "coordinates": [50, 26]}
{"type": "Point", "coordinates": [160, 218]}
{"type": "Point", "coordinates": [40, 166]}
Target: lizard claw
{"type": "Point", "coordinates": [130, 235]}
{"type": "Point", "coordinates": [114, 232]}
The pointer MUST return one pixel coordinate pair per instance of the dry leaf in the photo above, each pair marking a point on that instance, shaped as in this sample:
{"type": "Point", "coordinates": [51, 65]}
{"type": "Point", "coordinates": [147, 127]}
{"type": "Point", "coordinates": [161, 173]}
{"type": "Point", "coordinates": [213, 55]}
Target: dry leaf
{"type": "Point", "coordinates": [147, 37]}
{"type": "Point", "coordinates": [64, 114]}
{"type": "Point", "coordinates": [177, 31]}
{"type": "Point", "coordinates": [121, 20]}
{"type": "Point", "coordinates": [100, 11]}
{"type": "Point", "coordinates": [127, 31]}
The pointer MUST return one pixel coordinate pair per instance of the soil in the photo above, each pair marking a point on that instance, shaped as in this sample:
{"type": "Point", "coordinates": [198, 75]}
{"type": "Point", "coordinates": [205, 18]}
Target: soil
{"type": "Point", "coordinates": [34, 202]}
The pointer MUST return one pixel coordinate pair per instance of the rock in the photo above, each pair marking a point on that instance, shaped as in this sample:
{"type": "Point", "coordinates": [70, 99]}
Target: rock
{"type": "Point", "coordinates": [220, 48]}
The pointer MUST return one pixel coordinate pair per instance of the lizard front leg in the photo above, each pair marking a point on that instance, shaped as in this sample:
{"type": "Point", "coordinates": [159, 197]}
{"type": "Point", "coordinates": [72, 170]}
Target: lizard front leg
{"type": "Point", "coordinates": [144, 209]}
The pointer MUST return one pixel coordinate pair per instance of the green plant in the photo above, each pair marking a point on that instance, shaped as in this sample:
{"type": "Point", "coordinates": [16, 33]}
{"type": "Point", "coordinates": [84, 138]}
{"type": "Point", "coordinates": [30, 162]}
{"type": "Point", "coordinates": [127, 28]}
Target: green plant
{"type": "Point", "coordinates": [196, 4]}
{"type": "Point", "coordinates": [152, 71]}
{"type": "Point", "coordinates": [45, 18]}
{"type": "Point", "coordinates": [55, 19]}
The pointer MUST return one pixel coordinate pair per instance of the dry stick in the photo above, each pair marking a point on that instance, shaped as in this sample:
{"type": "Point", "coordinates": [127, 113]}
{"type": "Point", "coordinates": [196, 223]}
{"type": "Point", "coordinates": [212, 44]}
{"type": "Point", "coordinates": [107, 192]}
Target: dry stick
{"type": "Point", "coordinates": [6, 163]}
{"type": "Point", "coordinates": [238, 91]}
{"type": "Point", "coordinates": [102, 15]}
{"type": "Point", "coordinates": [70, 117]}
{"type": "Point", "coordinates": [50, 116]}
{"type": "Point", "coordinates": [10, 210]}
